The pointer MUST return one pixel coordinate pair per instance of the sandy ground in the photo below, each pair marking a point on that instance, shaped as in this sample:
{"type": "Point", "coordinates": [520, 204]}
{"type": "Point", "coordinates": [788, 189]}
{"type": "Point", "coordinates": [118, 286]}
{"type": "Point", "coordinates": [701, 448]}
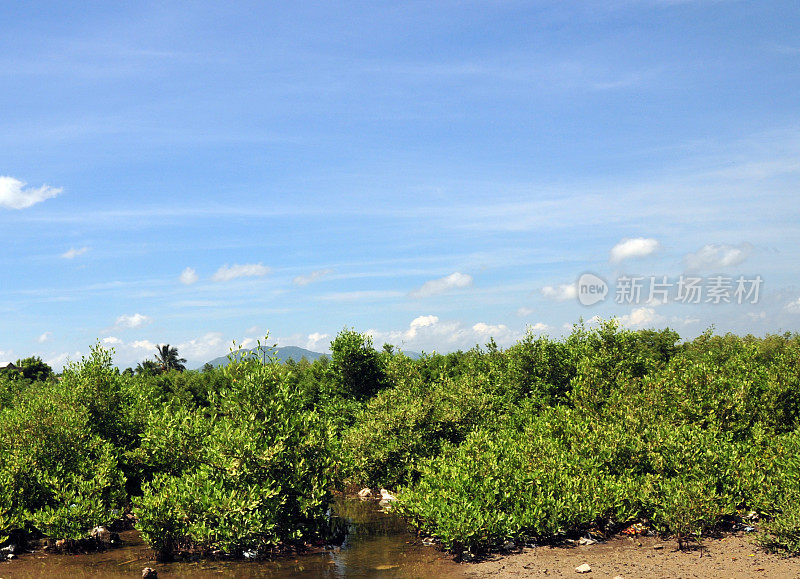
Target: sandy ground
{"type": "Point", "coordinates": [734, 556]}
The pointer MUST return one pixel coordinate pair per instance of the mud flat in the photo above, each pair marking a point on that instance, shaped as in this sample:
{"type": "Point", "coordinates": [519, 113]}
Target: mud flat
{"type": "Point", "coordinates": [728, 557]}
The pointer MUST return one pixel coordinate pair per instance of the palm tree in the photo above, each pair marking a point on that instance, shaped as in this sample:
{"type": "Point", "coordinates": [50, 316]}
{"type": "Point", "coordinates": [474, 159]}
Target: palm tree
{"type": "Point", "coordinates": [148, 368]}
{"type": "Point", "coordinates": [167, 357]}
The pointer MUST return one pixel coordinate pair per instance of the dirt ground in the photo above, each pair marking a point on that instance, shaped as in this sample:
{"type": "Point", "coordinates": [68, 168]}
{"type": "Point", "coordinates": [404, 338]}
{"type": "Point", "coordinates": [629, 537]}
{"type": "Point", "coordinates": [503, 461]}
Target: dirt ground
{"type": "Point", "coordinates": [733, 556]}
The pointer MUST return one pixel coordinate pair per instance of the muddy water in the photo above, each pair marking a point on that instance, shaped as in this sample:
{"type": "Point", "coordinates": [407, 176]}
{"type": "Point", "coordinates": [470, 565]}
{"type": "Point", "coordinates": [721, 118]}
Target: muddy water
{"type": "Point", "coordinates": [377, 545]}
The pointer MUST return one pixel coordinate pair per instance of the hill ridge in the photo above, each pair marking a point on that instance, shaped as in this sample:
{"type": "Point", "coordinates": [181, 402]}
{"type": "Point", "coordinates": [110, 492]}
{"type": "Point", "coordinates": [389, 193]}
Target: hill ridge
{"type": "Point", "coordinates": [283, 354]}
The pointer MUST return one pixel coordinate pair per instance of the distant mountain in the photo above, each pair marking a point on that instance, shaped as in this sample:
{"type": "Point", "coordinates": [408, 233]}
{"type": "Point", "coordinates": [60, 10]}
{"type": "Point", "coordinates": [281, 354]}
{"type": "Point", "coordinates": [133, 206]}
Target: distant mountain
{"type": "Point", "coordinates": [282, 354]}
{"type": "Point", "coordinates": [290, 352]}
{"type": "Point", "coordinates": [412, 355]}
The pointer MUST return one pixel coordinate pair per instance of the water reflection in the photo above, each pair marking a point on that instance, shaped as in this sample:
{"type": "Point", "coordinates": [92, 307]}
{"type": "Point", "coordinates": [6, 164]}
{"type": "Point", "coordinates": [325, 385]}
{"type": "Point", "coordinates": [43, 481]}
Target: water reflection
{"type": "Point", "coordinates": [377, 545]}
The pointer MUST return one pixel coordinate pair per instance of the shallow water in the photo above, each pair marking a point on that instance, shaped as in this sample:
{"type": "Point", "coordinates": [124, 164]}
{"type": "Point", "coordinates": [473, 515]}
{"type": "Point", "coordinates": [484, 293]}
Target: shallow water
{"type": "Point", "coordinates": [377, 545]}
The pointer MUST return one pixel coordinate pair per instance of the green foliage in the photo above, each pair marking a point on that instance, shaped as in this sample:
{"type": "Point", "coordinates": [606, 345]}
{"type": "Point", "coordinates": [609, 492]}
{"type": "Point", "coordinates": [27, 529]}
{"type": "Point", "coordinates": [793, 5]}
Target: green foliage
{"type": "Point", "coordinates": [148, 368]}
{"type": "Point", "coordinates": [539, 368]}
{"type": "Point", "coordinates": [355, 366]}
{"type": "Point", "coordinates": [549, 437]}
{"type": "Point", "coordinates": [11, 388]}
{"type": "Point", "coordinates": [774, 474]}
{"type": "Point", "coordinates": [97, 386]}
{"type": "Point", "coordinates": [646, 432]}
{"type": "Point", "coordinates": [563, 471]}
{"type": "Point", "coordinates": [782, 533]}
{"type": "Point", "coordinates": [34, 370]}
{"type": "Point", "coordinates": [58, 476]}
{"type": "Point", "coordinates": [253, 469]}
{"type": "Point", "coordinates": [403, 425]}
{"type": "Point", "coordinates": [168, 359]}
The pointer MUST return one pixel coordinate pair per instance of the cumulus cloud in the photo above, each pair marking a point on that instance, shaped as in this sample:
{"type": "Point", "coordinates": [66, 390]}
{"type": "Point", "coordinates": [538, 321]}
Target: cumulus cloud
{"type": "Point", "coordinates": [227, 273]}
{"type": "Point", "coordinates": [429, 332]}
{"type": "Point", "coordinates": [539, 327]}
{"type": "Point", "coordinates": [524, 312]}
{"type": "Point", "coordinates": [631, 248]}
{"type": "Point", "coordinates": [133, 321]}
{"type": "Point", "coordinates": [188, 276]}
{"type": "Point", "coordinates": [487, 330]}
{"type": "Point", "coordinates": [560, 293]}
{"type": "Point", "coordinates": [204, 348]}
{"type": "Point", "coordinates": [316, 340]}
{"type": "Point", "coordinates": [44, 337]}
{"type": "Point", "coordinates": [717, 256]}
{"type": "Point", "coordinates": [312, 277]}
{"type": "Point", "coordinates": [14, 194]}
{"type": "Point", "coordinates": [143, 345]}
{"type": "Point", "coordinates": [198, 350]}
{"type": "Point", "coordinates": [793, 307]}
{"type": "Point", "coordinates": [441, 285]}
{"type": "Point", "coordinates": [420, 322]}
{"type": "Point", "coordinates": [72, 253]}
{"type": "Point", "coordinates": [641, 317]}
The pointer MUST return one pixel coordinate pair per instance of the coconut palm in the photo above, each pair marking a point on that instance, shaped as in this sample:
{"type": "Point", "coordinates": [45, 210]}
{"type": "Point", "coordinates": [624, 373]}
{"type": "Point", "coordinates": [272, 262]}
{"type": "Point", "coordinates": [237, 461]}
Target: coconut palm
{"type": "Point", "coordinates": [148, 368]}
{"type": "Point", "coordinates": [167, 357]}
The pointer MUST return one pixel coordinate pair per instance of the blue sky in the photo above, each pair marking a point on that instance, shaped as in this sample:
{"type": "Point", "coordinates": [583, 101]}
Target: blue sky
{"type": "Point", "coordinates": [434, 173]}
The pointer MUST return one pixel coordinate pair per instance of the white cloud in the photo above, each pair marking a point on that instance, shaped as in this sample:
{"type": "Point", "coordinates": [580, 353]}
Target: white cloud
{"type": "Point", "coordinates": [143, 345]}
{"type": "Point", "coordinates": [487, 330]}
{"type": "Point", "coordinates": [524, 312]}
{"type": "Point", "coordinates": [227, 273]}
{"type": "Point", "coordinates": [203, 349]}
{"type": "Point", "coordinates": [44, 337]}
{"type": "Point", "coordinates": [316, 340]}
{"type": "Point", "coordinates": [654, 301]}
{"type": "Point", "coordinates": [794, 307]}
{"type": "Point", "coordinates": [72, 253]}
{"type": "Point", "coordinates": [539, 327]}
{"type": "Point", "coordinates": [133, 321]}
{"type": "Point", "coordinates": [560, 293]}
{"type": "Point", "coordinates": [717, 256]}
{"type": "Point", "coordinates": [685, 321]}
{"type": "Point", "coordinates": [427, 325]}
{"type": "Point", "coordinates": [636, 247]}
{"type": "Point", "coordinates": [199, 350]}
{"type": "Point", "coordinates": [312, 277]}
{"type": "Point", "coordinates": [641, 317]}
{"type": "Point", "coordinates": [429, 333]}
{"type": "Point", "coordinates": [188, 276]}
{"type": "Point", "coordinates": [420, 322]}
{"type": "Point", "coordinates": [441, 285]}
{"type": "Point", "coordinates": [14, 194]}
